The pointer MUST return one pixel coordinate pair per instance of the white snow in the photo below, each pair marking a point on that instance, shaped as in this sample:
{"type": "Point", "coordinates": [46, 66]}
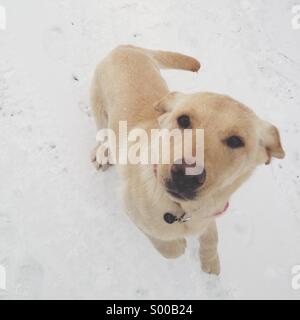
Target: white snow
{"type": "Point", "coordinates": [63, 231]}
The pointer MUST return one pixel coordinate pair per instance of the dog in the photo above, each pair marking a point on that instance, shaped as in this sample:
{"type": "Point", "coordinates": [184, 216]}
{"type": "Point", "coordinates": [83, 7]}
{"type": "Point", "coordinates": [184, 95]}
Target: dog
{"type": "Point", "coordinates": [164, 203]}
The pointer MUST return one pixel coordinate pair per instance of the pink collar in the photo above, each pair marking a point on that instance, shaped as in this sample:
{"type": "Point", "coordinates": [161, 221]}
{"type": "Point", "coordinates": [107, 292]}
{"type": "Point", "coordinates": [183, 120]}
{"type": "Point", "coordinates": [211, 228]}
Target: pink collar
{"type": "Point", "coordinates": [155, 170]}
{"type": "Point", "coordinates": [219, 214]}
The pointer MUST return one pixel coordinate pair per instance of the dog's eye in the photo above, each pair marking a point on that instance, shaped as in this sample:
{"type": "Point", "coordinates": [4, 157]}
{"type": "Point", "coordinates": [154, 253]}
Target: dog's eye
{"type": "Point", "coordinates": [235, 142]}
{"type": "Point", "coordinates": [184, 122]}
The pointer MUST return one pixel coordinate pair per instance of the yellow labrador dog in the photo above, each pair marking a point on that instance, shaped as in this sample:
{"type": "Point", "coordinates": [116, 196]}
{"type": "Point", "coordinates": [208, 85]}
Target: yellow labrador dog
{"type": "Point", "coordinates": [166, 204]}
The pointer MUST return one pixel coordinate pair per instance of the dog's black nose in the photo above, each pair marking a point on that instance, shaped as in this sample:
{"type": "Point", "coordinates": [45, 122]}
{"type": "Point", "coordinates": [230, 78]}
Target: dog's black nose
{"type": "Point", "coordinates": [182, 181]}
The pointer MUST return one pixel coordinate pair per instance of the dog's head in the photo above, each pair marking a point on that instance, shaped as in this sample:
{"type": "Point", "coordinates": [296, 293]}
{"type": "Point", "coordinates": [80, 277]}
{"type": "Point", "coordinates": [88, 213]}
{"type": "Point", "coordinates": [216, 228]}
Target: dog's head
{"type": "Point", "coordinates": [235, 142]}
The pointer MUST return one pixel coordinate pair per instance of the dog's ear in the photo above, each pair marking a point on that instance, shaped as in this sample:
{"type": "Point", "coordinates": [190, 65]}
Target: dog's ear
{"type": "Point", "coordinates": [166, 105]}
{"type": "Point", "coordinates": [169, 102]}
{"type": "Point", "coordinates": [270, 141]}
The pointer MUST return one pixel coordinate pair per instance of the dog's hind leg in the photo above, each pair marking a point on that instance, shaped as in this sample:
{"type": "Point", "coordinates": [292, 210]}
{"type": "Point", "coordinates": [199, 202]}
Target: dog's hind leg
{"type": "Point", "coordinates": [100, 154]}
{"type": "Point", "coordinates": [98, 108]}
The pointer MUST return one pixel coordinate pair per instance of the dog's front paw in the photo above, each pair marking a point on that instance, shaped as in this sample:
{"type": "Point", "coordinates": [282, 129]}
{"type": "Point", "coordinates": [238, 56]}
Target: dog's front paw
{"type": "Point", "coordinates": [211, 266]}
{"type": "Point", "coordinates": [170, 249]}
{"type": "Point", "coordinates": [100, 158]}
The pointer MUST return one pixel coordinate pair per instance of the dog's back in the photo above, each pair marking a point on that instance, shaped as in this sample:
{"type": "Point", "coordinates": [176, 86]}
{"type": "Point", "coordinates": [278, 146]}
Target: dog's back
{"type": "Point", "coordinates": [128, 82]}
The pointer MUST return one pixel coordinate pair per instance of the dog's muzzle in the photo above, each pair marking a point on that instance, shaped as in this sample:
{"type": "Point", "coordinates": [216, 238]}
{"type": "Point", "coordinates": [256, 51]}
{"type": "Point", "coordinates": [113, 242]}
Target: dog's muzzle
{"type": "Point", "coordinates": [182, 185]}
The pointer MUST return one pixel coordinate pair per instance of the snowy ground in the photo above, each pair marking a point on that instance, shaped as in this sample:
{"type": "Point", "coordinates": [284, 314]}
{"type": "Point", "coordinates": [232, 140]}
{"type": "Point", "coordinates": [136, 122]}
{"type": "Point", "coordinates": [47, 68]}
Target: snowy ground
{"type": "Point", "coordinates": [63, 232]}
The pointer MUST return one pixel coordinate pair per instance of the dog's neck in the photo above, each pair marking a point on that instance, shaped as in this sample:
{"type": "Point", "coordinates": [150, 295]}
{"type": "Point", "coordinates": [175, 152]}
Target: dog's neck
{"type": "Point", "coordinates": [188, 212]}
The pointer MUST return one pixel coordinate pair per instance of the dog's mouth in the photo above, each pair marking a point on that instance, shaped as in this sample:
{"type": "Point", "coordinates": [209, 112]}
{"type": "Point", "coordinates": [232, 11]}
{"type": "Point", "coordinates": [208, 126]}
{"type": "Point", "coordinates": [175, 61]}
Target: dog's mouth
{"type": "Point", "coordinates": [184, 195]}
{"type": "Point", "coordinates": [176, 195]}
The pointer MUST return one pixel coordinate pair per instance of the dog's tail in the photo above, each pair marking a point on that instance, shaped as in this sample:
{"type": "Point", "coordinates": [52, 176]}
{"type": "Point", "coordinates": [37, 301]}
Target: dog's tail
{"type": "Point", "coordinates": [171, 60]}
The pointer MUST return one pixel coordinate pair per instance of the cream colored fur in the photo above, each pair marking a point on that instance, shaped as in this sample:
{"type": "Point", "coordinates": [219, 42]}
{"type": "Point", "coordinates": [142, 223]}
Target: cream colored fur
{"type": "Point", "coordinates": [128, 86]}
